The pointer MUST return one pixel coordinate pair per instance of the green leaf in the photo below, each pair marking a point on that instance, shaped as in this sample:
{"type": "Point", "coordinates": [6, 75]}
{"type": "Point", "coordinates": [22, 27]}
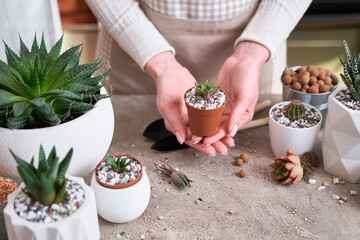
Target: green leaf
{"type": "Point", "coordinates": [48, 193]}
{"type": "Point", "coordinates": [24, 51]}
{"type": "Point", "coordinates": [15, 62]}
{"type": "Point", "coordinates": [111, 161]}
{"type": "Point", "coordinates": [43, 164]}
{"type": "Point", "coordinates": [38, 102]}
{"type": "Point", "coordinates": [19, 108]}
{"type": "Point", "coordinates": [54, 52]}
{"type": "Point", "coordinates": [42, 50]}
{"type": "Point", "coordinates": [61, 93]}
{"type": "Point", "coordinates": [52, 156]}
{"type": "Point", "coordinates": [63, 168]}
{"type": "Point", "coordinates": [51, 173]}
{"type": "Point", "coordinates": [8, 99]}
{"type": "Point", "coordinates": [61, 192]}
{"type": "Point", "coordinates": [33, 185]}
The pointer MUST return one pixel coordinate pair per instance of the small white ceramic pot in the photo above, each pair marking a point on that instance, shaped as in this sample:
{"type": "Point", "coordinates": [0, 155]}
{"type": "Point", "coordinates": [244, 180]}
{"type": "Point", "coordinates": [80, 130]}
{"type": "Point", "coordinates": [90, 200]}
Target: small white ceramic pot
{"type": "Point", "coordinates": [90, 135]}
{"type": "Point", "coordinates": [123, 204]}
{"type": "Point", "coordinates": [341, 140]}
{"type": "Point", "coordinates": [81, 225]}
{"type": "Point", "coordinates": [298, 140]}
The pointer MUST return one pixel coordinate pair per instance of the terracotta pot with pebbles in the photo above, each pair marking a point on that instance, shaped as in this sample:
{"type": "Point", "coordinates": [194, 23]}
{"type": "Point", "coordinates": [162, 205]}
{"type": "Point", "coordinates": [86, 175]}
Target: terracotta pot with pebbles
{"type": "Point", "coordinates": [49, 204]}
{"type": "Point", "coordinates": [341, 138]}
{"type": "Point", "coordinates": [122, 188]}
{"type": "Point", "coordinates": [7, 186]}
{"type": "Point", "coordinates": [293, 125]}
{"type": "Point", "coordinates": [310, 85]}
{"type": "Point", "coordinates": [205, 104]}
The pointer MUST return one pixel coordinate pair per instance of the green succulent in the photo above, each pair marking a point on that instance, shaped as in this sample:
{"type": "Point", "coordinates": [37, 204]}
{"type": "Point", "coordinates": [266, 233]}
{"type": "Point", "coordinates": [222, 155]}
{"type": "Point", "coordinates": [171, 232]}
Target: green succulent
{"type": "Point", "coordinates": [40, 88]}
{"type": "Point", "coordinates": [119, 164]}
{"type": "Point", "coordinates": [295, 110]}
{"type": "Point", "coordinates": [47, 183]}
{"type": "Point", "coordinates": [205, 90]}
{"type": "Point", "coordinates": [351, 76]}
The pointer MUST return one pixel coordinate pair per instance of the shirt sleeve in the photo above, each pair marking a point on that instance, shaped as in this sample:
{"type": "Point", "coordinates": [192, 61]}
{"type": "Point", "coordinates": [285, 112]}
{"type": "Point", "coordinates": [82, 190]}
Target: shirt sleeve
{"type": "Point", "coordinates": [130, 28]}
{"type": "Point", "coordinates": [273, 22]}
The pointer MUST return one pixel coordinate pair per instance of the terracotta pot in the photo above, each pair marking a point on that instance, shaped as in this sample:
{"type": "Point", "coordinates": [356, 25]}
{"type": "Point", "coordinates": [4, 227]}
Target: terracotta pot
{"type": "Point", "coordinates": [125, 203]}
{"type": "Point", "coordinates": [120, 185]}
{"type": "Point", "coordinates": [204, 122]}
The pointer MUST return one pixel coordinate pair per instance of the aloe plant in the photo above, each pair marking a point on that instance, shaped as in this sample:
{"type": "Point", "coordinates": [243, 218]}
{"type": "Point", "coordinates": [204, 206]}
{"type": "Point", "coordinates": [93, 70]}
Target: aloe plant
{"type": "Point", "coordinates": [41, 88]}
{"type": "Point", "coordinates": [205, 90]}
{"type": "Point", "coordinates": [351, 76]}
{"type": "Point", "coordinates": [47, 183]}
{"type": "Point", "coordinates": [118, 164]}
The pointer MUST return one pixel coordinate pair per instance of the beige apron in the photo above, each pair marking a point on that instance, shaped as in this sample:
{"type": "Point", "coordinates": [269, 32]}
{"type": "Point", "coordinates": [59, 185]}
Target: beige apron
{"type": "Point", "coordinates": [201, 46]}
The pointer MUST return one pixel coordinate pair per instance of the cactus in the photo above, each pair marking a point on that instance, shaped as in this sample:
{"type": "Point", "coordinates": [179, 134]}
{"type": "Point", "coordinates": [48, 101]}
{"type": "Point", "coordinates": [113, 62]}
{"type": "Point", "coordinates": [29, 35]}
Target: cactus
{"type": "Point", "coordinates": [295, 110]}
{"type": "Point", "coordinates": [119, 164]}
{"type": "Point", "coordinates": [351, 76]}
{"type": "Point", "coordinates": [205, 90]}
{"type": "Point", "coordinates": [40, 88]}
{"type": "Point", "coordinates": [47, 183]}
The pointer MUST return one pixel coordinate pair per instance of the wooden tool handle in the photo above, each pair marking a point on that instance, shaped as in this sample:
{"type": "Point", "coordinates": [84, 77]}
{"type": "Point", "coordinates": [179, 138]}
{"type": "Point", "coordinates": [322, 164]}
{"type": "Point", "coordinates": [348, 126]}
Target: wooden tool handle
{"type": "Point", "coordinates": [255, 123]}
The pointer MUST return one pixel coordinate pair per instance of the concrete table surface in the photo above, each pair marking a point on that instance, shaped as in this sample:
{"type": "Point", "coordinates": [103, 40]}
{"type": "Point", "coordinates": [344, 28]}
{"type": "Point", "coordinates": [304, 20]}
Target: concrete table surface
{"type": "Point", "coordinates": [255, 207]}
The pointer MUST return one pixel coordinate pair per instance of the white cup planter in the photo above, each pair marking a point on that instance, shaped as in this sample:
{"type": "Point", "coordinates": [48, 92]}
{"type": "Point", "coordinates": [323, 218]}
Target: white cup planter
{"type": "Point", "coordinates": [81, 225]}
{"type": "Point", "coordinates": [298, 140]}
{"type": "Point", "coordinates": [341, 140]}
{"type": "Point", "coordinates": [90, 135]}
{"type": "Point", "coordinates": [122, 204]}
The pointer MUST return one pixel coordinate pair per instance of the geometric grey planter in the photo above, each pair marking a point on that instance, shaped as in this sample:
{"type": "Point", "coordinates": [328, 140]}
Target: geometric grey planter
{"type": "Point", "coordinates": [341, 140]}
{"type": "Point", "coordinates": [81, 225]}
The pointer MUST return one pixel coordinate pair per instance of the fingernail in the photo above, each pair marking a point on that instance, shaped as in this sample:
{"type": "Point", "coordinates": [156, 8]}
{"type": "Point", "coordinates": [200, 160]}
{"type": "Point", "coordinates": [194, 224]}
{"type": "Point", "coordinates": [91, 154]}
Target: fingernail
{"type": "Point", "coordinates": [188, 136]}
{"type": "Point", "coordinates": [226, 153]}
{"type": "Point", "coordinates": [179, 138]}
{"type": "Point", "coordinates": [213, 155]}
{"type": "Point", "coordinates": [232, 145]}
{"type": "Point", "coordinates": [196, 142]}
{"type": "Point", "coordinates": [234, 130]}
{"type": "Point", "coordinates": [205, 145]}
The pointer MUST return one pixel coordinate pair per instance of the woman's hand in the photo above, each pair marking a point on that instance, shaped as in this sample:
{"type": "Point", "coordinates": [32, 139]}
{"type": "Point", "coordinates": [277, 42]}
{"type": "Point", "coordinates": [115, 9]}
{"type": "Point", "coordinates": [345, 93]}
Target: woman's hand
{"type": "Point", "coordinates": [172, 81]}
{"type": "Point", "coordinates": [239, 77]}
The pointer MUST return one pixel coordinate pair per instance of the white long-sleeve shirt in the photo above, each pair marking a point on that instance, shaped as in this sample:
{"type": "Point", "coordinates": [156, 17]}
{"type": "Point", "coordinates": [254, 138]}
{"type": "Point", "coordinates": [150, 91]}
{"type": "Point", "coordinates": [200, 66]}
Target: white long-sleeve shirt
{"type": "Point", "coordinates": [129, 27]}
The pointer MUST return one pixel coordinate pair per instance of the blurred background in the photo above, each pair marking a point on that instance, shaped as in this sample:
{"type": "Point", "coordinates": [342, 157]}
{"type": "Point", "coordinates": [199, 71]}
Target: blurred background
{"type": "Point", "coordinates": [316, 40]}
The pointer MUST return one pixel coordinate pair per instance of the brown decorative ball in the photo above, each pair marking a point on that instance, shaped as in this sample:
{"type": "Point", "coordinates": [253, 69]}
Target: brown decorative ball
{"type": "Point", "coordinates": [310, 67]}
{"type": "Point", "coordinates": [314, 73]}
{"type": "Point", "coordinates": [242, 173]}
{"type": "Point", "coordinates": [328, 80]}
{"type": "Point", "coordinates": [287, 72]}
{"type": "Point", "coordinates": [313, 80]}
{"type": "Point", "coordinates": [287, 79]}
{"type": "Point", "coordinates": [245, 157]}
{"type": "Point", "coordinates": [324, 88]}
{"type": "Point", "coordinates": [296, 86]}
{"type": "Point", "coordinates": [305, 87]}
{"type": "Point", "coordinates": [315, 85]}
{"type": "Point", "coordinates": [313, 89]}
{"type": "Point", "coordinates": [321, 82]}
{"type": "Point", "coordinates": [304, 79]}
{"type": "Point", "coordinates": [302, 69]}
{"type": "Point", "coordinates": [239, 161]}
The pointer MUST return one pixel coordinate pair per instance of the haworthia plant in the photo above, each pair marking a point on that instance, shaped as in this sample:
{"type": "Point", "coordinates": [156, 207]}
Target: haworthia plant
{"type": "Point", "coordinates": [40, 88]}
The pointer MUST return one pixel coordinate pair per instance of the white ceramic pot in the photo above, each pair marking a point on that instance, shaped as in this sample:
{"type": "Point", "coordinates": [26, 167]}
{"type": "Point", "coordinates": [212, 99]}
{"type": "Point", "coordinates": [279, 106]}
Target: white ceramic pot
{"type": "Point", "coordinates": [81, 225]}
{"type": "Point", "coordinates": [298, 140]}
{"type": "Point", "coordinates": [90, 135]}
{"type": "Point", "coordinates": [341, 140]}
{"type": "Point", "coordinates": [124, 204]}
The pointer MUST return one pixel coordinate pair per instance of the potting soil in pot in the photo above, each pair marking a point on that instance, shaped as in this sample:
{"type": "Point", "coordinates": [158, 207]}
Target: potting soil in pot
{"type": "Point", "coordinates": [107, 175]}
{"type": "Point", "coordinates": [345, 97]}
{"type": "Point", "coordinates": [34, 211]}
{"type": "Point", "coordinates": [215, 101]}
{"type": "Point", "coordinates": [310, 119]}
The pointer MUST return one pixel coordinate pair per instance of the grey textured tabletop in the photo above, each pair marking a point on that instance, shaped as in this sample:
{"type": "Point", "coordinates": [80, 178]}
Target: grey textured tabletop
{"type": "Point", "coordinates": [254, 207]}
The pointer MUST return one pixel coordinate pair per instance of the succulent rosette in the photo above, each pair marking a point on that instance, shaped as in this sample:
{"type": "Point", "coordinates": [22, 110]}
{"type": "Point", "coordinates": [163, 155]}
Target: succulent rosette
{"type": "Point", "coordinates": [288, 168]}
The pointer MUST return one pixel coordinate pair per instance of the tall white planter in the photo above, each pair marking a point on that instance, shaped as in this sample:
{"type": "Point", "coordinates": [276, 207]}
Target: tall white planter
{"type": "Point", "coordinates": [341, 140]}
{"type": "Point", "coordinates": [81, 225]}
{"type": "Point", "coordinates": [90, 135]}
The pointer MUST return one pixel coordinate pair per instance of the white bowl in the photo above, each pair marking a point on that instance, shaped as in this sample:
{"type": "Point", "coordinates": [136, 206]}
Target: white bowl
{"type": "Point", "coordinates": [298, 140]}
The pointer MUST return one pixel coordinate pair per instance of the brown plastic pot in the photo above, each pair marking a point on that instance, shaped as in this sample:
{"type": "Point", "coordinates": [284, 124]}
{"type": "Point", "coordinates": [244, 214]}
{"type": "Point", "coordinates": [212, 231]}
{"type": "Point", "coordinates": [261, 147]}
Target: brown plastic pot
{"type": "Point", "coordinates": [204, 122]}
{"type": "Point", "coordinates": [119, 186]}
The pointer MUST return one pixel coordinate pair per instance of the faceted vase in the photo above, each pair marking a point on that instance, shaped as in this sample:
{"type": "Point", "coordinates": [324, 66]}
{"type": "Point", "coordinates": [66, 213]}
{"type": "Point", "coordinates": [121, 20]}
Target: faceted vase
{"type": "Point", "coordinates": [341, 140]}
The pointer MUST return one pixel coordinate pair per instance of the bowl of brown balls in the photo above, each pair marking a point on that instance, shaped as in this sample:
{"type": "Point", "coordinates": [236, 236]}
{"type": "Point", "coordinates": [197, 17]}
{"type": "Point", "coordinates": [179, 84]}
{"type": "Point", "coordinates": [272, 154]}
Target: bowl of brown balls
{"type": "Point", "coordinates": [309, 84]}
